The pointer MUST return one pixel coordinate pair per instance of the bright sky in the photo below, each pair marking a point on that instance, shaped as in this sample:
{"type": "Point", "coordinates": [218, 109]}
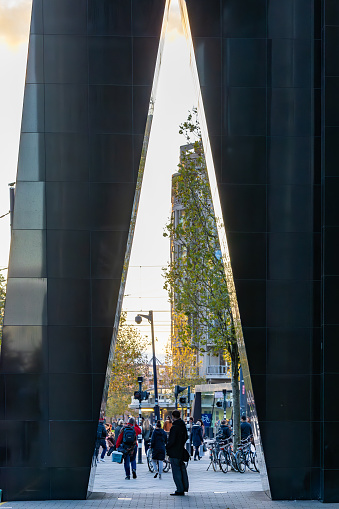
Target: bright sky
{"type": "Point", "coordinates": [175, 96]}
{"type": "Point", "coordinates": [14, 30]}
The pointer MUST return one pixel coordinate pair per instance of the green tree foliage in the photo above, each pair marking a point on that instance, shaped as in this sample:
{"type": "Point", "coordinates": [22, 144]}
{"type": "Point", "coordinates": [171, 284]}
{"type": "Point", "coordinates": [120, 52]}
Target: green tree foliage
{"type": "Point", "coordinates": [2, 302]}
{"type": "Point", "coordinates": [195, 277]}
{"type": "Point", "coordinates": [130, 361]}
{"type": "Point", "coordinates": [181, 365]}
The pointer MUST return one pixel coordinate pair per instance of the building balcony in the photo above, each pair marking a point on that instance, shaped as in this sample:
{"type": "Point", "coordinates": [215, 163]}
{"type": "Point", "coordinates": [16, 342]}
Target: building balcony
{"type": "Point", "coordinates": [218, 371]}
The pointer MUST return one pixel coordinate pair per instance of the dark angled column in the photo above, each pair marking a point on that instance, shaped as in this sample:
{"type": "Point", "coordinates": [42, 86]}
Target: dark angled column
{"type": "Point", "coordinates": [256, 63]}
{"type": "Point", "coordinates": [330, 243]}
{"type": "Point", "coordinates": [89, 77]}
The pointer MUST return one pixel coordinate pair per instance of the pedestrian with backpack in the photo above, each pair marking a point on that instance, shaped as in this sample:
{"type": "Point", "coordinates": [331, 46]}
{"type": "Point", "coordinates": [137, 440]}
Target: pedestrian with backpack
{"type": "Point", "coordinates": [127, 444]}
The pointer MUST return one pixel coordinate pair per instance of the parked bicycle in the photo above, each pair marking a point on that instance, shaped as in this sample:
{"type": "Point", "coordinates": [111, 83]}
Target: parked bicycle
{"type": "Point", "coordinates": [246, 456]}
{"type": "Point", "coordinates": [221, 455]}
{"type": "Point", "coordinates": [213, 455]}
{"type": "Point", "coordinates": [226, 457]}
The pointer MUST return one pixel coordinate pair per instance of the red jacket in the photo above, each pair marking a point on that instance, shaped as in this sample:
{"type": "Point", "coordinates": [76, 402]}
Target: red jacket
{"type": "Point", "coordinates": [121, 434]}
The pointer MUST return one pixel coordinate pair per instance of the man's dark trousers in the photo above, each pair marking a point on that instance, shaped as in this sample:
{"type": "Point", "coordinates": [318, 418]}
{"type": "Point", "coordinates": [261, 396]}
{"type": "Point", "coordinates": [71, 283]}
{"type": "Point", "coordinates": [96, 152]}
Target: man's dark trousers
{"type": "Point", "coordinates": [179, 475]}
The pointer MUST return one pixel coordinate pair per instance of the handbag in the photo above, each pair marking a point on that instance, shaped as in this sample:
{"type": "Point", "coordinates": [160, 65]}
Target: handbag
{"type": "Point", "coordinates": [186, 456]}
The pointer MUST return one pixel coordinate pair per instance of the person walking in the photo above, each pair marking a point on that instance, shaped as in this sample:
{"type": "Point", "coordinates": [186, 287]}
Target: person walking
{"type": "Point", "coordinates": [118, 428]}
{"type": "Point", "coordinates": [110, 442]}
{"type": "Point", "coordinates": [127, 444]}
{"type": "Point", "coordinates": [201, 451]}
{"type": "Point", "coordinates": [101, 441]}
{"type": "Point", "coordinates": [147, 430]}
{"type": "Point", "coordinates": [158, 446]}
{"type": "Point", "coordinates": [176, 451]}
{"type": "Point", "coordinates": [167, 424]}
{"type": "Point", "coordinates": [197, 439]}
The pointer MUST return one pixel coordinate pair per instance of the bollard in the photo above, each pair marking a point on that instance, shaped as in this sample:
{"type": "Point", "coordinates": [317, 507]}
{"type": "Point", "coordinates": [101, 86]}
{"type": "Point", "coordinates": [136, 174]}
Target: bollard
{"type": "Point", "coordinates": [140, 449]}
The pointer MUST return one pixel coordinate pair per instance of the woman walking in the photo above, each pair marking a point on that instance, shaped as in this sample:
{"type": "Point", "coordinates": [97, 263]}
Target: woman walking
{"type": "Point", "coordinates": [201, 453]}
{"type": "Point", "coordinates": [158, 446]}
{"type": "Point", "coordinates": [167, 424]}
{"type": "Point", "coordinates": [197, 439]}
{"type": "Point", "coordinates": [147, 430]}
{"type": "Point", "coordinates": [118, 428]}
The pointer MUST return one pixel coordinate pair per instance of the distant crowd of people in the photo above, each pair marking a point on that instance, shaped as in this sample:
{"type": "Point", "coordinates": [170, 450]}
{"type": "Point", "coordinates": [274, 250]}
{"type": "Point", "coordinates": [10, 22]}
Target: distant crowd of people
{"type": "Point", "coordinates": [165, 438]}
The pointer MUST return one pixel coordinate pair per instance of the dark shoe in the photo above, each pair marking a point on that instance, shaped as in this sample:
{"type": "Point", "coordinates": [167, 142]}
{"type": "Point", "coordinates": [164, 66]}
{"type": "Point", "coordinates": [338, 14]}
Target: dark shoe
{"type": "Point", "coordinates": [156, 475]}
{"type": "Point", "coordinates": [178, 494]}
{"type": "Point", "coordinates": [127, 478]}
{"type": "Point", "coordinates": [195, 459]}
{"type": "Point", "coordinates": [134, 474]}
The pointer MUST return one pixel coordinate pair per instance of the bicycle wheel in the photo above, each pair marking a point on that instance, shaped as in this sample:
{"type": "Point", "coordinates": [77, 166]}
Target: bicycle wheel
{"type": "Point", "coordinates": [149, 460]}
{"type": "Point", "coordinates": [215, 462]}
{"type": "Point", "coordinates": [233, 461]}
{"type": "Point", "coordinates": [166, 466]}
{"type": "Point", "coordinates": [241, 461]}
{"type": "Point", "coordinates": [254, 458]}
{"type": "Point", "coordinates": [223, 461]}
{"type": "Point", "coordinates": [250, 461]}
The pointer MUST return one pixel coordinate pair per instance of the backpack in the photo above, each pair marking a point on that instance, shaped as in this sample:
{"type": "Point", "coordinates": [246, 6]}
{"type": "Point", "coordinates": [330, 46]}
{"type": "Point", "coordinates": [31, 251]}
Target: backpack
{"type": "Point", "coordinates": [101, 431]}
{"type": "Point", "coordinates": [129, 436]}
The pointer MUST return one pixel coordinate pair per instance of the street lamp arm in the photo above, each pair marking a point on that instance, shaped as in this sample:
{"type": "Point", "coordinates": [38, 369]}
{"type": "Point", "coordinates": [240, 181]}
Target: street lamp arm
{"type": "Point", "coordinates": [148, 317]}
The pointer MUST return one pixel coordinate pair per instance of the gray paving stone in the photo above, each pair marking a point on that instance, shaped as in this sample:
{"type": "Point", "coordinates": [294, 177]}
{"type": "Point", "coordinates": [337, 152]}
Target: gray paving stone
{"type": "Point", "coordinates": [208, 489]}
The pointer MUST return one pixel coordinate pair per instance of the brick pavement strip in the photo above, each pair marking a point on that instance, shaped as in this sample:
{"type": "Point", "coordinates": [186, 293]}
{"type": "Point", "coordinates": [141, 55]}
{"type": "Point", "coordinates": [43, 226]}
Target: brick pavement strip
{"type": "Point", "coordinates": [208, 489]}
{"type": "Point", "coordinates": [205, 500]}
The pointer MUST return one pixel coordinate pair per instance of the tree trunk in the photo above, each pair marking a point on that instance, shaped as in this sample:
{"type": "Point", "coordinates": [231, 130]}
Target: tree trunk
{"type": "Point", "coordinates": [236, 397]}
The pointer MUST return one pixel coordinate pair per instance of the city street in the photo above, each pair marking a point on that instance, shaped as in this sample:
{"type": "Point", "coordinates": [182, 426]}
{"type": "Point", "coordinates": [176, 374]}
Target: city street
{"type": "Point", "coordinates": [208, 489]}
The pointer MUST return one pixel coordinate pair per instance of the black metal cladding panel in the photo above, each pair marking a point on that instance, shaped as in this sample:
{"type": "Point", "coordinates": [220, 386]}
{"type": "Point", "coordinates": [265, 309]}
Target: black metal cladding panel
{"type": "Point", "coordinates": [259, 110]}
{"type": "Point", "coordinates": [80, 149]}
{"type": "Point", "coordinates": [330, 174]}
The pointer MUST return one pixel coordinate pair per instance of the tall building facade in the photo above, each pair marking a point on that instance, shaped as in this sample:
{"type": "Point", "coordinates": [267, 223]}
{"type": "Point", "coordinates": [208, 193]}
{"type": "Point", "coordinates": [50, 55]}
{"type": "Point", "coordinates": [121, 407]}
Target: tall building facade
{"type": "Point", "coordinates": [270, 78]}
{"type": "Point", "coordinates": [211, 365]}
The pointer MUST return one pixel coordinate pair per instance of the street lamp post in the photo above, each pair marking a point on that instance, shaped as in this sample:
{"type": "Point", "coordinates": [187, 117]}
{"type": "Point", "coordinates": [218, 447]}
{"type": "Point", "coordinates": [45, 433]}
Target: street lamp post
{"type": "Point", "coordinates": [224, 393]}
{"type": "Point", "coordinates": [140, 380]}
{"type": "Point", "coordinates": [11, 202]}
{"type": "Point", "coordinates": [138, 320]}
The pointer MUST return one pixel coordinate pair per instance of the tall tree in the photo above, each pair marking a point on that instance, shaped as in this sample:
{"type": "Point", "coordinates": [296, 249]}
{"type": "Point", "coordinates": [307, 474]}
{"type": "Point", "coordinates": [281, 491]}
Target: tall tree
{"type": "Point", "coordinates": [2, 302]}
{"type": "Point", "coordinates": [181, 365]}
{"type": "Point", "coordinates": [196, 278]}
{"type": "Point", "coordinates": [130, 361]}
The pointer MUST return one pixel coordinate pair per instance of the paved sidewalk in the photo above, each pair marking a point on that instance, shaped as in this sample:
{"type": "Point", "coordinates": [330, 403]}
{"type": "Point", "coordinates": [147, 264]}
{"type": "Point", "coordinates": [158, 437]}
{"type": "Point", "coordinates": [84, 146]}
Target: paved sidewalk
{"type": "Point", "coordinates": [208, 490]}
{"type": "Point", "coordinates": [110, 478]}
{"type": "Point", "coordinates": [128, 500]}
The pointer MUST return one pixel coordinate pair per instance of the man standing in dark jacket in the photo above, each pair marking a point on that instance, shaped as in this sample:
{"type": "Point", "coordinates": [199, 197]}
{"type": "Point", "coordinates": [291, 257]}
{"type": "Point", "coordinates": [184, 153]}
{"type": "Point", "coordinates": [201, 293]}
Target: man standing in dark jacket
{"type": "Point", "coordinates": [175, 450]}
{"type": "Point", "coordinates": [246, 429]}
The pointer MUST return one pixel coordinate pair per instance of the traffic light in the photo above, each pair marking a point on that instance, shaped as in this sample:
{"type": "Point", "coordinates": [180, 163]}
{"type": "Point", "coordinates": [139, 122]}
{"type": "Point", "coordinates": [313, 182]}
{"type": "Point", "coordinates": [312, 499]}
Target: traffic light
{"type": "Point", "coordinates": [137, 395]}
{"type": "Point", "coordinates": [183, 400]}
{"type": "Point", "coordinates": [178, 389]}
{"type": "Point", "coordinates": [140, 396]}
{"type": "Point", "coordinates": [219, 404]}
